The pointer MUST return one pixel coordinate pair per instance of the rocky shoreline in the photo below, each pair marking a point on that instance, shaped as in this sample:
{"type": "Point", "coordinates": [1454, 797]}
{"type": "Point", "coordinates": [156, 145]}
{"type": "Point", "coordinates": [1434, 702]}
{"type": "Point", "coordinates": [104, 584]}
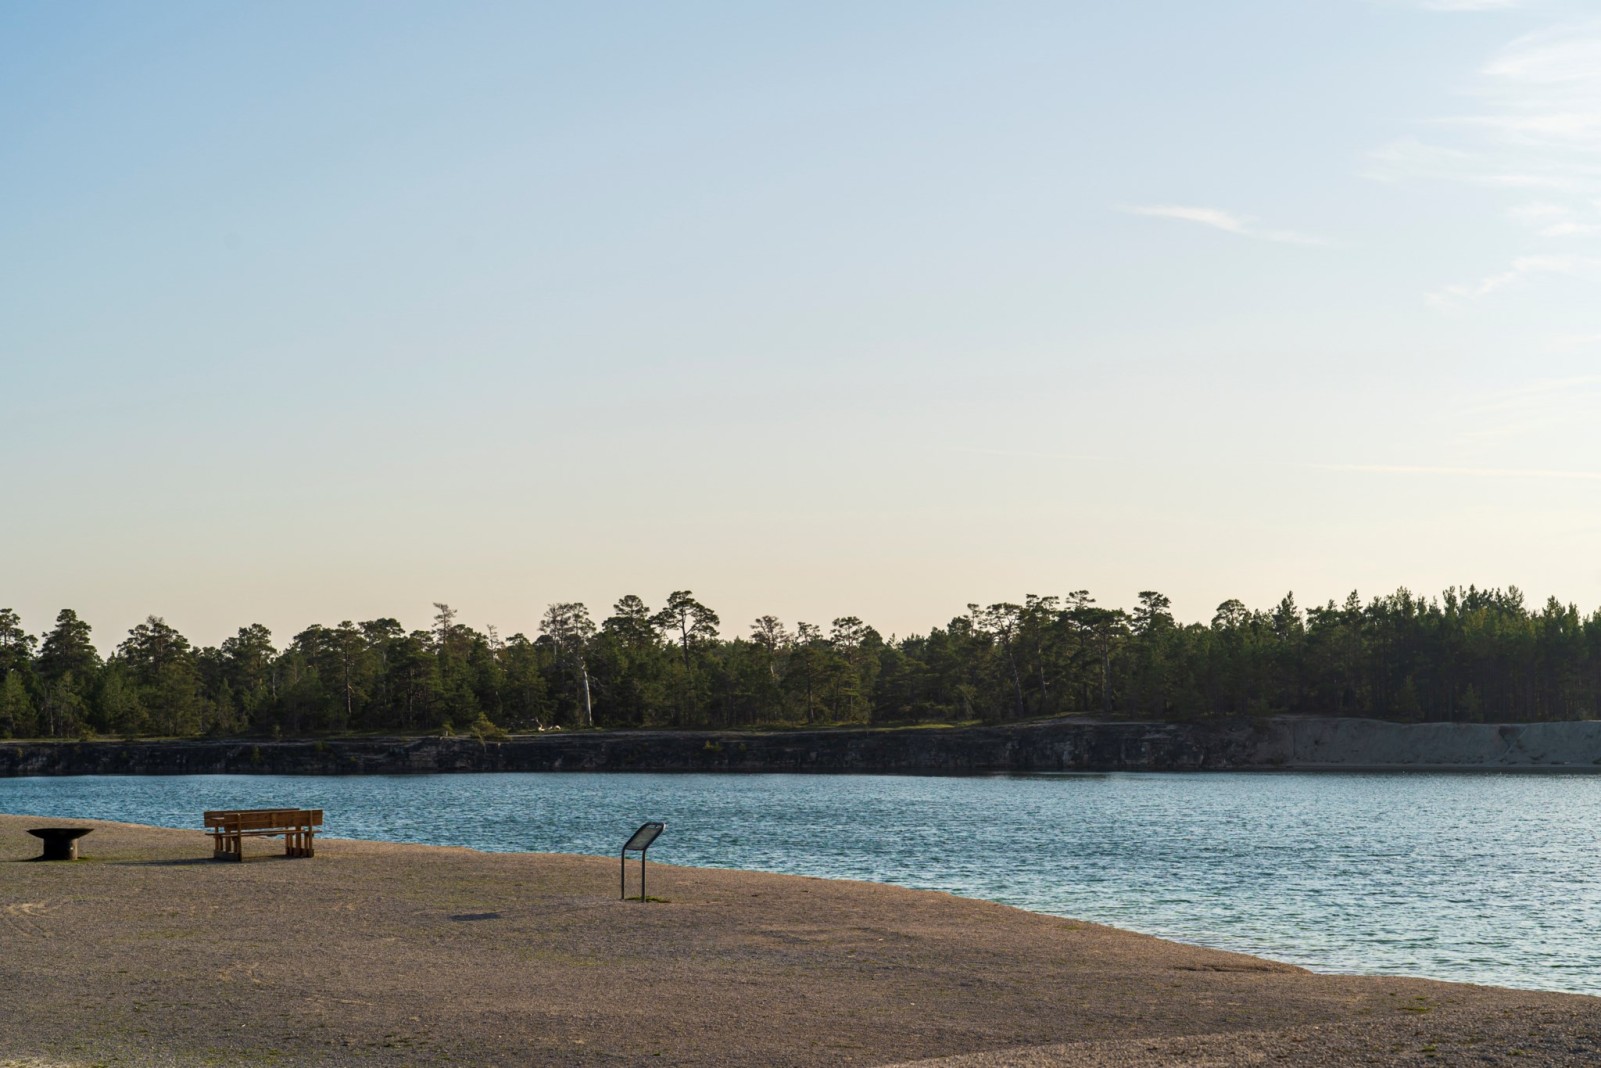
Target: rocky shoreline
{"type": "Point", "coordinates": [1274, 743]}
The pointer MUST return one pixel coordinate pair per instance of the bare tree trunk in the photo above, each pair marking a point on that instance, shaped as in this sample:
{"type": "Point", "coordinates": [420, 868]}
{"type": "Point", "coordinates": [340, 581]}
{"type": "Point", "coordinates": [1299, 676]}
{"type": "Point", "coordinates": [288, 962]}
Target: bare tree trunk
{"type": "Point", "coordinates": [1106, 679]}
{"type": "Point", "coordinates": [1045, 688]}
{"type": "Point", "coordinates": [589, 712]}
{"type": "Point", "coordinates": [1017, 681]}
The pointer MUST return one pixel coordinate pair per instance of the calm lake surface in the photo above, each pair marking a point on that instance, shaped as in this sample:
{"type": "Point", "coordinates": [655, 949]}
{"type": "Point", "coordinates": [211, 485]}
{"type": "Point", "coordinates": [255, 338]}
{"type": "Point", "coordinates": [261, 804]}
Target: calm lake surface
{"type": "Point", "coordinates": [1475, 877]}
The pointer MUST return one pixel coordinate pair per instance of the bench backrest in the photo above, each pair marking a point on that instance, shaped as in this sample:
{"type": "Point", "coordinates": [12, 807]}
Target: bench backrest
{"type": "Point", "coordinates": [263, 819]}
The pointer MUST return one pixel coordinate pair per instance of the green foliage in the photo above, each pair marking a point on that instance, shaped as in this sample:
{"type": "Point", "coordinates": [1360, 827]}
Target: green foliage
{"type": "Point", "coordinates": [1470, 655]}
{"type": "Point", "coordinates": [16, 709]}
{"type": "Point", "coordinates": [16, 644]}
{"type": "Point", "coordinates": [67, 650]}
{"type": "Point", "coordinates": [486, 731]}
{"type": "Point", "coordinates": [570, 632]}
{"type": "Point", "coordinates": [166, 681]}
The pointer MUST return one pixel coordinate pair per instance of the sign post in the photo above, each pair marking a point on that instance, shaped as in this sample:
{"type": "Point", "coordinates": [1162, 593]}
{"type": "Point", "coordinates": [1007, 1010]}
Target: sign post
{"type": "Point", "coordinates": [638, 842]}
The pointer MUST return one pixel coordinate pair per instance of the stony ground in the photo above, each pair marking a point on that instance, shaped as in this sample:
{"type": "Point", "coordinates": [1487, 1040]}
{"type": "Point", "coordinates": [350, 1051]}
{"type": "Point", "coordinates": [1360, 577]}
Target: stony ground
{"type": "Point", "coordinates": [148, 952]}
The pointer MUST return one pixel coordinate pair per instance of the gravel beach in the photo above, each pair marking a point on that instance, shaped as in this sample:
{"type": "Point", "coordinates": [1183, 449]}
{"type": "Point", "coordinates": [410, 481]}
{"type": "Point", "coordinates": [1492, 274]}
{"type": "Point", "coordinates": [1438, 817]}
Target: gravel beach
{"type": "Point", "coordinates": [148, 952]}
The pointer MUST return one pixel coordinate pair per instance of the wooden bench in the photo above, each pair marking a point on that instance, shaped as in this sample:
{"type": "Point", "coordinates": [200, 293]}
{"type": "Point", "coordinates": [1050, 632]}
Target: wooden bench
{"type": "Point", "coordinates": [229, 829]}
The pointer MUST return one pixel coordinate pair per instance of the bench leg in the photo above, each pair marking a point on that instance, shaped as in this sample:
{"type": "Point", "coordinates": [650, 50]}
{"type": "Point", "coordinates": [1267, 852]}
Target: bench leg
{"type": "Point", "coordinates": [231, 846]}
{"type": "Point", "coordinates": [299, 843]}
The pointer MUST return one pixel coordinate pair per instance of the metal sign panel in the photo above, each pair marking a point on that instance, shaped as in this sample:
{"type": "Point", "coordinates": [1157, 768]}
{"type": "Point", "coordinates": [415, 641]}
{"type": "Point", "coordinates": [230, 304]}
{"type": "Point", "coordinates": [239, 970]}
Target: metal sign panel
{"type": "Point", "coordinates": [638, 842]}
{"type": "Point", "coordinates": [644, 837]}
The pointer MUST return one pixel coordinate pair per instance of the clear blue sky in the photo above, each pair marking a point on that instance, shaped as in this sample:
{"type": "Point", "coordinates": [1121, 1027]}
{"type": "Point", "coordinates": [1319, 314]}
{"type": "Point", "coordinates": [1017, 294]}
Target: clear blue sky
{"type": "Point", "coordinates": [312, 312]}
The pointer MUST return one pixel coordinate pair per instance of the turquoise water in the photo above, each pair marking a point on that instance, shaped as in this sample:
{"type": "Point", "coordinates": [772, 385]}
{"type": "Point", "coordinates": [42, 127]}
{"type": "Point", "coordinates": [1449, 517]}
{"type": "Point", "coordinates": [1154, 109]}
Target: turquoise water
{"type": "Point", "coordinates": [1481, 878]}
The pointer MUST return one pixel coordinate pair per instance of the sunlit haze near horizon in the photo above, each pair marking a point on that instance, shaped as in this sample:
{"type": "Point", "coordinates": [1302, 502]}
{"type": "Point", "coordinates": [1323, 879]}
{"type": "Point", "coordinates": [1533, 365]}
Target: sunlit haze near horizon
{"type": "Point", "coordinates": [323, 312]}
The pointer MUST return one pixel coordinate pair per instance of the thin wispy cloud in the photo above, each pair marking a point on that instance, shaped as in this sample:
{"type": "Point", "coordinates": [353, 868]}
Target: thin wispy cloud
{"type": "Point", "coordinates": [1570, 228]}
{"type": "Point", "coordinates": [1454, 6]}
{"type": "Point", "coordinates": [1411, 159]}
{"type": "Point", "coordinates": [1557, 220]}
{"type": "Point", "coordinates": [1533, 128]}
{"type": "Point", "coordinates": [1365, 469]}
{"type": "Point", "coordinates": [1540, 92]}
{"type": "Point", "coordinates": [1463, 472]}
{"type": "Point", "coordinates": [1560, 55]}
{"type": "Point", "coordinates": [1520, 270]}
{"type": "Point", "coordinates": [1470, 5]}
{"type": "Point", "coordinates": [1538, 392]}
{"type": "Point", "coordinates": [1537, 123]}
{"type": "Point", "coordinates": [1547, 414]}
{"type": "Point", "coordinates": [1242, 225]}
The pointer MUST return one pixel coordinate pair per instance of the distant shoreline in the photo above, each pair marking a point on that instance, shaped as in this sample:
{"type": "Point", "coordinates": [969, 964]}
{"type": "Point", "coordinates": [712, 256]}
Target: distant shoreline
{"type": "Point", "coordinates": [1279, 743]}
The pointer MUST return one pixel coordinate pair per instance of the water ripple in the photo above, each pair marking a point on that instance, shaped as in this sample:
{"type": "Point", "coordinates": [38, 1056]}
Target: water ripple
{"type": "Point", "coordinates": [1481, 878]}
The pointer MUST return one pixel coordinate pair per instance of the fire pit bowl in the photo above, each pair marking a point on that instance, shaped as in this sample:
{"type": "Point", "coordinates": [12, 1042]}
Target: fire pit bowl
{"type": "Point", "coordinates": [60, 843]}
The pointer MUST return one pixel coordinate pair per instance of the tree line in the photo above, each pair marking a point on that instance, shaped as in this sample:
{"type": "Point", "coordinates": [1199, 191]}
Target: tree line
{"type": "Point", "coordinates": [1468, 655]}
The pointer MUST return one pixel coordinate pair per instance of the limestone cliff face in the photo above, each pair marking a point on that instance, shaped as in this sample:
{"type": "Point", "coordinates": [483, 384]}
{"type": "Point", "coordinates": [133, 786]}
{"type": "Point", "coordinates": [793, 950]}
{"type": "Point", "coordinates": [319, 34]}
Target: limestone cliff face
{"type": "Point", "coordinates": [1055, 745]}
{"type": "Point", "coordinates": [1320, 742]}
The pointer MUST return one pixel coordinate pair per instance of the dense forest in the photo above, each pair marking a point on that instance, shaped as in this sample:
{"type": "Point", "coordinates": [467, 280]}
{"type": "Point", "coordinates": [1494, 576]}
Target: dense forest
{"type": "Point", "coordinates": [1468, 655]}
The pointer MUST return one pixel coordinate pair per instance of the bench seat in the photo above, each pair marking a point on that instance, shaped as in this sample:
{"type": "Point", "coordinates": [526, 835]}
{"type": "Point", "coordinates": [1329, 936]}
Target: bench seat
{"type": "Point", "coordinates": [229, 828]}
